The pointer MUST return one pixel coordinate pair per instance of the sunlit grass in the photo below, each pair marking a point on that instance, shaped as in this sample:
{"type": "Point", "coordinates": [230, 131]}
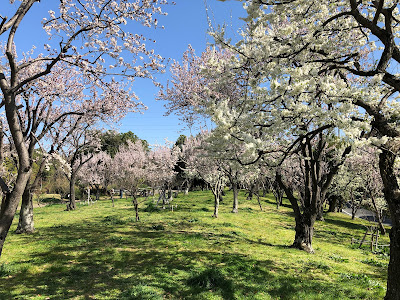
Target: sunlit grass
{"type": "Point", "coordinates": [100, 252]}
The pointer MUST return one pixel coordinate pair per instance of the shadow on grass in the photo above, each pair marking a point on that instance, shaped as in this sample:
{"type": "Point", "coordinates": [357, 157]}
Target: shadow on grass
{"type": "Point", "coordinates": [272, 201]}
{"type": "Point", "coordinates": [212, 279]}
{"type": "Point", "coordinates": [104, 258]}
{"type": "Point", "coordinates": [343, 223]}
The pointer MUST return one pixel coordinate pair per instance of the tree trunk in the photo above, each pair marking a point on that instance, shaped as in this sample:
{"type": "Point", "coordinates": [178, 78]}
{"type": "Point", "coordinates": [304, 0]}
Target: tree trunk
{"type": "Point", "coordinates": [278, 198]}
{"type": "Point", "coordinates": [112, 197]}
{"type": "Point", "coordinates": [136, 205]}
{"type": "Point", "coordinates": [88, 196]}
{"type": "Point", "coordinates": [304, 221]}
{"type": "Point", "coordinates": [378, 216]}
{"type": "Point", "coordinates": [265, 192]}
{"type": "Point", "coordinates": [391, 191]}
{"type": "Point", "coordinates": [162, 197]}
{"type": "Point", "coordinates": [170, 194]}
{"type": "Point", "coordinates": [8, 209]}
{"type": "Point", "coordinates": [188, 186]}
{"type": "Point", "coordinates": [259, 202]}
{"type": "Point", "coordinates": [333, 200]}
{"type": "Point", "coordinates": [10, 203]}
{"type": "Point", "coordinates": [97, 192]}
{"type": "Point", "coordinates": [26, 224]}
{"type": "Point", "coordinates": [250, 195]}
{"type": "Point", "coordinates": [304, 231]}
{"type": "Point", "coordinates": [393, 282]}
{"type": "Point", "coordinates": [235, 207]}
{"type": "Point", "coordinates": [353, 206]}
{"type": "Point", "coordinates": [277, 191]}
{"type": "Point", "coordinates": [320, 212]}
{"type": "Point", "coordinates": [72, 203]}
{"type": "Point", "coordinates": [216, 204]}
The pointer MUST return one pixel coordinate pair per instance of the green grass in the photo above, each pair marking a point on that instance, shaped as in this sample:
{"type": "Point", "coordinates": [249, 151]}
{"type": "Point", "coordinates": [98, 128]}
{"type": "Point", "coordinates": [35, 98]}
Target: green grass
{"type": "Point", "coordinates": [100, 252]}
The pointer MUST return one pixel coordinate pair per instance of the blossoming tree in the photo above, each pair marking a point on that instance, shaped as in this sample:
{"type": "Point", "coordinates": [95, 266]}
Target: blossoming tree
{"type": "Point", "coordinates": [130, 168]}
{"type": "Point", "coordinates": [89, 36]}
{"type": "Point", "coordinates": [290, 44]}
{"type": "Point", "coordinates": [97, 172]}
{"type": "Point", "coordinates": [200, 163]}
{"type": "Point", "coordinates": [161, 163]}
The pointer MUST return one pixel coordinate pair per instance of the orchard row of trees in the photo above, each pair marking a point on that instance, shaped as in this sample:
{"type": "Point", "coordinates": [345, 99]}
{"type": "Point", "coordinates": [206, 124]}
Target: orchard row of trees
{"type": "Point", "coordinates": [300, 72]}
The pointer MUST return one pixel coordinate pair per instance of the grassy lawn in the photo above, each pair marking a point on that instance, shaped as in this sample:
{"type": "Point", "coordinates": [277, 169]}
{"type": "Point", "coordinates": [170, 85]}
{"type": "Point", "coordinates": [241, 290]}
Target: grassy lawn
{"type": "Point", "coordinates": [100, 252]}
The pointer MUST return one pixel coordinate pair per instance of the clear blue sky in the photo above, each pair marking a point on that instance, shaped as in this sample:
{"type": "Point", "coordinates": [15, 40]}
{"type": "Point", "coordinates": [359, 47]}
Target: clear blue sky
{"type": "Point", "coordinates": [185, 24]}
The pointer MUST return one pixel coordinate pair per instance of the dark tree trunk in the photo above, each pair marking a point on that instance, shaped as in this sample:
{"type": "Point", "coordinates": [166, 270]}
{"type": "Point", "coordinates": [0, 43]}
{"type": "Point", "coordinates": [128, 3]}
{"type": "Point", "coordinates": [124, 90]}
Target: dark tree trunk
{"type": "Point", "coordinates": [250, 195]}
{"type": "Point", "coordinates": [26, 224]}
{"type": "Point", "coordinates": [259, 202]}
{"type": "Point", "coordinates": [170, 194]}
{"type": "Point", "coordinates": [333, 200]}
{"type": "Point", "coordinates": [164, 201]}
{"type": "Point", "coordinates": [10, 203]}
{"type": "Point", "coordinates": [320, 212]}
{"type": "Point", "coordinates": [216, 204]}
{"type": "Point", "coordinates": [12, 198]}
{"type": "Point", "coordinates": [276, 190]}
{"type": "Point", "coordinates": [392, 196]}
{"type": "Point", "coordinates": [278, 197]}
{"type": "Point", "coordinates": [353, 211]}
{"type": "Point", "coordinates": [304, 231]}
{"type": "Point", "coordinates": [265, 192]}
{"type": "Point", "coordinates": [72, 203]}
{"type": "Point", "coordinates": [235, 207]}
{"type": "Point", "coordinates": [8, 208]}
{"type": "Point", "coordinates": [136, 205]}
{"type": "Point", "coordinates": [393, 282]}
{"type": "Point", "coordinates": [304, 221]}
{"type": "Point", "coordinates": [97, 192]}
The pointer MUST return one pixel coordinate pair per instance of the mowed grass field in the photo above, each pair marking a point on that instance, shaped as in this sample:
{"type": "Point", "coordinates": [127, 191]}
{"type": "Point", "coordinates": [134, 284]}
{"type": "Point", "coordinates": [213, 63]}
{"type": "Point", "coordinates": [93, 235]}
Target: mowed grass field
{"type": "Point", "coordinates": [100, 252]}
